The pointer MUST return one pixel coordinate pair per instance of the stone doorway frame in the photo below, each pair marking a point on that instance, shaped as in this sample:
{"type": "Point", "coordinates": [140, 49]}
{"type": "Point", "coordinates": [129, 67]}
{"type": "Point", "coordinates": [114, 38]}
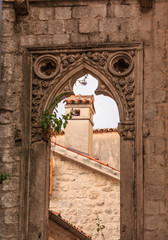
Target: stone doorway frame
{"type": "Point", "coordinates": [47, 73]}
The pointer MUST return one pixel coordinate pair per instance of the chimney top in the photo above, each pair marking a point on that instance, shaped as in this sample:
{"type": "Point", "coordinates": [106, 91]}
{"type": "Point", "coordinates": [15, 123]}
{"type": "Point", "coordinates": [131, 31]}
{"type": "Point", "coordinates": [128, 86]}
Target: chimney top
{"type": "Point", "coordinates": [80, 99]}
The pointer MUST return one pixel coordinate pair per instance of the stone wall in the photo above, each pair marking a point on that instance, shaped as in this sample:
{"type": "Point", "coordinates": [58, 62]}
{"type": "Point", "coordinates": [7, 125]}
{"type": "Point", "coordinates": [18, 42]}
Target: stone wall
{"type": "Point", "coordinates": [79, 192]}
{"type": "Point", "coordinates": [63, 23]}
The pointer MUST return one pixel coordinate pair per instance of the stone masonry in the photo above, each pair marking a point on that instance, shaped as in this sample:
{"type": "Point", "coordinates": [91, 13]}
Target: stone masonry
{"type": "Point", "coordinates": [54, 24]}
{"type": "Point", "coordinates": [78, 193]}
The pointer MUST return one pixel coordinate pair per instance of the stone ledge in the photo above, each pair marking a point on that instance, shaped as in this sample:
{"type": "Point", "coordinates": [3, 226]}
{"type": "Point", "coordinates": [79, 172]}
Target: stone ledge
{"type": "Point", "coordinates": [96, 166]}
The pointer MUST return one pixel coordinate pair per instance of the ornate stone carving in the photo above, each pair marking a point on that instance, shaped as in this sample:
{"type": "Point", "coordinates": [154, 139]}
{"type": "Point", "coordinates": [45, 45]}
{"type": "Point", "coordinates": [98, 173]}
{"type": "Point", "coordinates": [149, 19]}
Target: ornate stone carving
{"type": "Point", "coordinates": [54, 67]}
{"type": "Point", "coordinates": [46, 67]}
{"type": "Point", "coordinates": [100, 58]}
{"type": "Point", "coordinates": [120, 64]}
{"type": "Point", "coordinates": [126, 130]}
{"type": "Point", "coordinates": [22, 7]}
{"type": "Point", "coordinates": [71, 59]}
{"type": "Point", "coordinates": [127, 86]}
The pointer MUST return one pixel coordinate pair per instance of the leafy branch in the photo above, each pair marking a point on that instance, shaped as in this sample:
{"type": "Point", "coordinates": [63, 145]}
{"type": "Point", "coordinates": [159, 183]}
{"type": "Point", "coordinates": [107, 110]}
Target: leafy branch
{"type": "Point", "coordinates": [3, 177]}
{"type": "Point", "coordinates": [50, 122]}
{"type": "Point", "coordinates": [100, 227]}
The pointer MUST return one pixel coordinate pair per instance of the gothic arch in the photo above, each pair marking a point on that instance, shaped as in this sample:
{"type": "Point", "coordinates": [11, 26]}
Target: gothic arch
{"type": "Point", "coordinates": [104, 85]}
{"type": "Point", "coordinates": [118, 70]}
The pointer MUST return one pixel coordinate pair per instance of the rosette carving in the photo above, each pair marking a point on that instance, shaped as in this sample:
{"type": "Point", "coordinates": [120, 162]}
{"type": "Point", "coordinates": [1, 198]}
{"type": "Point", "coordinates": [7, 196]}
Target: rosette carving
{"type": "Point", "coordinates": [120, 64]}
{"type": "Point", "coordinates": [46, 67]}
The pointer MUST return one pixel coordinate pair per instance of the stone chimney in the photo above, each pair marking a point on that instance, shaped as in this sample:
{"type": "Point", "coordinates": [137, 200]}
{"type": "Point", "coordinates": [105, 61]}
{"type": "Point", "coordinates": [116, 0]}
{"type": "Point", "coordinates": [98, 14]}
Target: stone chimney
{"type": "Point", "coordinates": [79, 130]}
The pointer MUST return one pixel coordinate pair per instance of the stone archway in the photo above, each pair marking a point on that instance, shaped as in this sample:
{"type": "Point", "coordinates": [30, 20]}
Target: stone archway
{"type": "Point", "coordinates": [119, 73]}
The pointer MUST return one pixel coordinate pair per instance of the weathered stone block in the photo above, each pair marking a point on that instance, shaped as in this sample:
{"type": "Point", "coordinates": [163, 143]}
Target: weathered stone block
{"type": "Point", "coordinates": [9, 199]}
{"type": "Point", "coordinates": [152, 207]}
{"type": "Point", "coordinates": [7, 28]}
{"type": "Point", "coordinates": [149, 145]}
{"type": "Point", "coordinates": [155, 176]}
{"type": "Point", "coordinates": [5, 117]}
{"type": "Point", "coordinates": [125, 10]}
{"type": "Point", "coordinates": [150, 111]}
{"type": "Point", "coordinates": [46, 13]}
{"type": "Point", "coordinates": [11, 216]}
{"type": "Point", "coordinates": [97, 37]}
{"type": "Point", "coordinates": [154, 192]}
{"type": "Point", "coordinates": [97, 10]}
{"type": "Point", "coordinates": [155, 161]}
{"type": "Point", "coordinates": [62, 12]}
{"type": "Point", "coordinates": [88, 26]}
{"type": "Point", "coordinates": [44, 40]}
{"type": "Point", "coordinates": [34, 13]}
{"type": "Point", "coordinates": [79, 38]}
{"type": "Point", "coordinates": [160, 145]}
{"type": "Point", "coordinates": [71, 26]}
{"type": "Point", "coordinates": [80, 12]}
{"type": "Point", "coordinates": [108, 25]}
{"type": "Point", "coordinates": [61, 39]}
{"type": "Point", "coordinates": [38, 27]}
{"type": "Point", "coordinates": [145, 23]}
{"type": "Point", "coordinates": [157, 128]}
{"type": "Point", "coordinates": [9, 60]}
{"type": "Point", "coordinates": [11, 185]}
{"type": "Point", "coordinates": [8, 44]}
{"type": "Point", "coordinates": [8, 14]}
{"type": "Point", "coordinates": [55, 27]}
{"type": "Point", "coordinates": [6, 130]}
{"type": "Point", "coordinates": [28, 41]}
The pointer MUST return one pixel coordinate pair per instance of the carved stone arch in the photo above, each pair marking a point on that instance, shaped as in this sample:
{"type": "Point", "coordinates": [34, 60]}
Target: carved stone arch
{"type": "Point", "coordinates": [119, 70]}
{"type": "Point", "coordinates": [105, 87]}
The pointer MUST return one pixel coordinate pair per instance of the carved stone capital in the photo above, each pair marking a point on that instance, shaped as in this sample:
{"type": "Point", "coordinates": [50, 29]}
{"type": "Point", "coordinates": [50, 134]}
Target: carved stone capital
{"type": "Point", "coordinates": [126, 130]}
{"type": "Point", "coordinates": [22, 7]}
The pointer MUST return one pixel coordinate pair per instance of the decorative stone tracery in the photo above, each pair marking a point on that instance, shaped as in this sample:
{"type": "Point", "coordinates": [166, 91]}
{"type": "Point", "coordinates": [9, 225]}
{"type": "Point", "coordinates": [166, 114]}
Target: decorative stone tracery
{"type": "Point", "coordinates": [124, 85]}
{"type": "Point", "coordinates": [117, 67]}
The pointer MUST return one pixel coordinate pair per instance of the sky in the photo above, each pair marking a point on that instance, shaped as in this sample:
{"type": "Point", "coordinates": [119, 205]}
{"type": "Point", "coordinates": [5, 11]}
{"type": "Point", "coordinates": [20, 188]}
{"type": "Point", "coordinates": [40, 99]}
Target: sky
{"type": "Point", "coordinates": [106, 115]}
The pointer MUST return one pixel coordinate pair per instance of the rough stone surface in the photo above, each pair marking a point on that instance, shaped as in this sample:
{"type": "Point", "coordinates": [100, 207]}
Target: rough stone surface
{"type": "Point", "coordinates": [93, 192]}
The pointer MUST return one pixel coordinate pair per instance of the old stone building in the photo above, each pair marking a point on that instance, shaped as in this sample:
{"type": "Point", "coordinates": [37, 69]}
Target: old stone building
{"type": "Point", "coordinates": [45, 46]}
{"type": "Point", "coordinates": [83, 178]}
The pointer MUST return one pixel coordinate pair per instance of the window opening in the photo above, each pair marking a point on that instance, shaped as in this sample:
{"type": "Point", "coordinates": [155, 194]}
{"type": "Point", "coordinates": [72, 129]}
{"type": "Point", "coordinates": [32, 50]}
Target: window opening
{"type": "Point", "coordinates": [79, 193]}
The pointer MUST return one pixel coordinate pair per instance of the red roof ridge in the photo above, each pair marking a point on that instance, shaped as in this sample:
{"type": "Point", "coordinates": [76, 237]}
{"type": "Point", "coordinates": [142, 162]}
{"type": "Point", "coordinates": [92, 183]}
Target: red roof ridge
{"type": "Point", "coordinates": [84, 155]}
{"type": "Point", "coordinates": [79, 99]}
{"type": "Point", "coordinates": [59, 215]}
{"type": "Point", "coordinates": [105, 130]}
{"type": "Point", "coordinates": [97, 130]}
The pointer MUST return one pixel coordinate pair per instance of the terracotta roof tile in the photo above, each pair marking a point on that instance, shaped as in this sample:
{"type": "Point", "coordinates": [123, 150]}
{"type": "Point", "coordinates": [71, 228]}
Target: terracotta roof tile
{"type": "Point", "coordinates": [87, 156]}
{"type": "Point", "coordinates": [76, 228]}
{"type": "Point", "coordinates": [79, 99]}
{"type": "Point", "coordinates": [98, 130]}
{"type": "Point", "coordinates": [105, 130]}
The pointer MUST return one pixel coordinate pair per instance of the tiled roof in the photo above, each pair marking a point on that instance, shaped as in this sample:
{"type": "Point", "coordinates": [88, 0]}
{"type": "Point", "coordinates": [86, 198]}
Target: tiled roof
{"type": "Point", "coordinates": [105, 130]}
{"type": "Point", "coordinates": [79, 99]}
{"type": "Point", "coordinates": [98, 130]}
{"type": "Point", "coordinates": [87, 156]}
{"type": "Point", "coordinates": [68, 226]}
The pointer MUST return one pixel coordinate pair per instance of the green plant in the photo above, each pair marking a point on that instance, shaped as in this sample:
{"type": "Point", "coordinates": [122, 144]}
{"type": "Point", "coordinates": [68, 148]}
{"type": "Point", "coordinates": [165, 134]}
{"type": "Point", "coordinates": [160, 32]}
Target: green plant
{"type": "Point", "coordinates": [3, 177]}
{"type": "Point", "coordinates": [100, 226]}
{"type": "Point", "coordinates": [50, 122]}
